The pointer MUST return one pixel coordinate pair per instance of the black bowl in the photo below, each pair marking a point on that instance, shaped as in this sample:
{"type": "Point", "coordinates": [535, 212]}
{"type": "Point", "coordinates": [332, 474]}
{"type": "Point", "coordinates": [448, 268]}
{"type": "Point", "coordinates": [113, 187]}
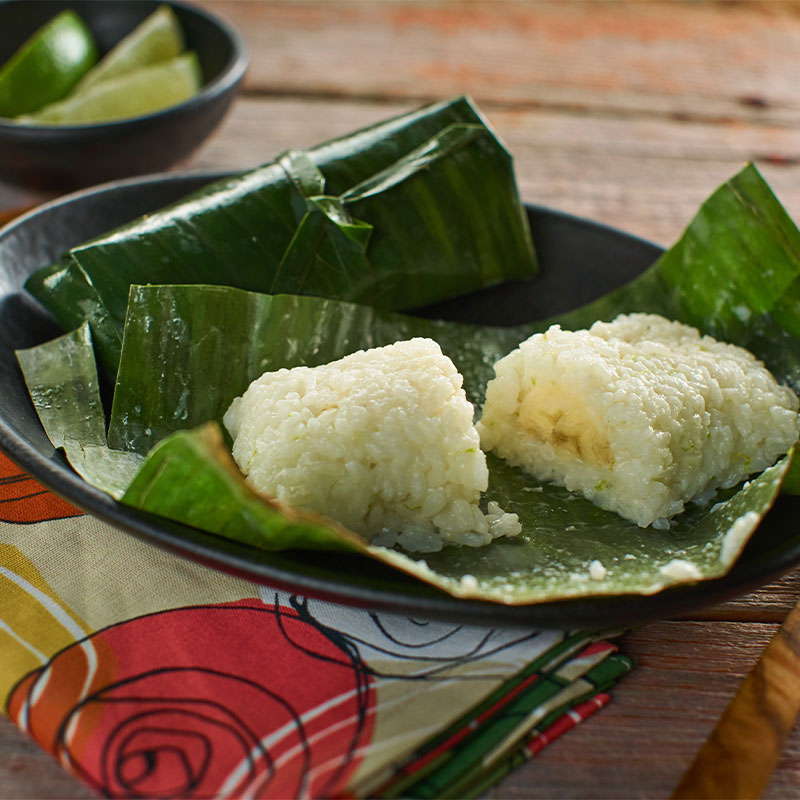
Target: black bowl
{"type": "Point", "coordinates": [579, 261]}
{"type": "Point", "coordinates": [68, 157]}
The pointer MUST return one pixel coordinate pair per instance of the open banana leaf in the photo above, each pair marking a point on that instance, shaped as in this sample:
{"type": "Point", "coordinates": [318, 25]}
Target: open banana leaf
{"type": "Point", "coordinates": [188, 350]}
{"type": "Point", "coordinates": [410, 211]}
{"type": "Point", "coordinates": [61, 376]}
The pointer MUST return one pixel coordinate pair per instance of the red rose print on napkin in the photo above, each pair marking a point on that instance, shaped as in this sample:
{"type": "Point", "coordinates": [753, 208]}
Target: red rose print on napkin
{"type": "Point", "coordinates": [219, 701]}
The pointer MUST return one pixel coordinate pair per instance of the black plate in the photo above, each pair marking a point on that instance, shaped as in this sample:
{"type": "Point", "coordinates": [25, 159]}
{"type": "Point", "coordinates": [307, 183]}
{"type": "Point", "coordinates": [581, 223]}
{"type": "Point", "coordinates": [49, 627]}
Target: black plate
{"type": "Point", "coordinates": [580, 260]}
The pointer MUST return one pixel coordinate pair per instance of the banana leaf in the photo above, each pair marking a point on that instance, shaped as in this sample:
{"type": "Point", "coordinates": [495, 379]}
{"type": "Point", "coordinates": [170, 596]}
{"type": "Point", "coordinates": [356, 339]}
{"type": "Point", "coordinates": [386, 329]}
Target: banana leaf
{"type": "Point", "coordinates": [562, 533]}
{"type": "Point", "coordinates": [237, 335]}
{"type": "Point", "coordinates": [167, 388]}
{"type": "Point", "coordinates": [226, 505]}
{"type": "Point", "coordinates": [61, 377]}
{"type": "Point", "coordinates": [410, 211]}
{"type": "Point", "coordinates": [734, 274]}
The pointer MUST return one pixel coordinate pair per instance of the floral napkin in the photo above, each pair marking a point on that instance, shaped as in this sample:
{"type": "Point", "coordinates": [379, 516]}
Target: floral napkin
{"type": "Point", "coordinates": [147, 675]}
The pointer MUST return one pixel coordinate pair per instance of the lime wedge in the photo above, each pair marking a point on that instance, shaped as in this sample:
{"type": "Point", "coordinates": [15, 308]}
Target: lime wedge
{"type": "Point", "coordinates": [46, 67]}
{"type": "Point", "coordinates": [139, 92]}
{"type": "Point", "coordinates": [158, 38]}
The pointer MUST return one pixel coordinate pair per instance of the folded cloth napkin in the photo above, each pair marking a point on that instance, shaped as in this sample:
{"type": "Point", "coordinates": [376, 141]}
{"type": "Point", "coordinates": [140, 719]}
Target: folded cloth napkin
{"type": "Point", "coordinates": [147, 675]}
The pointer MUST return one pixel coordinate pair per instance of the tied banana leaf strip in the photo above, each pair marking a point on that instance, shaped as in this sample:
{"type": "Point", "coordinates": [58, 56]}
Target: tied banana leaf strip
{"type": "Point", "coordinates": [416, 209]}
{"type": "Point", "coordinates": [236, 335]}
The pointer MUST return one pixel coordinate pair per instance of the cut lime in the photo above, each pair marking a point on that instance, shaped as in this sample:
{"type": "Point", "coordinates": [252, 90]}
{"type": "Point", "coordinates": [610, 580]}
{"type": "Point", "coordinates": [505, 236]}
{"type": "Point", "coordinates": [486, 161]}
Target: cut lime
{"type": "Point", "coordinates": [158, 38]}
{"type": "Point", "coordinates": [47, 66]}
{"type": "Point", "coordinates": [139, 92]}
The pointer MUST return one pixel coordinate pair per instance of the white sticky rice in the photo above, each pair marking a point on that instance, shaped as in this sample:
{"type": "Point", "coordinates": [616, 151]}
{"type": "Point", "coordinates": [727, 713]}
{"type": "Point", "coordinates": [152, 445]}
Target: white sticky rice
{"type": "Point", "coordinates": [640, 415]}
{"type": "Point", "coordinates": [382, 440]}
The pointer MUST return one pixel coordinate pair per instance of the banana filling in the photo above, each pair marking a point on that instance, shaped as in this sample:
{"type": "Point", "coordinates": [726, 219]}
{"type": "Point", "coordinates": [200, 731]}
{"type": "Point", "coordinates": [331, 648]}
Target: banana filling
{"type": "Point", "coordinates": [555, 415]}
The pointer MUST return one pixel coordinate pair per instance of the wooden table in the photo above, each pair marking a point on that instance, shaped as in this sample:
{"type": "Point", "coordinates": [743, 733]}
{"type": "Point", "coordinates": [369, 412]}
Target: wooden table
{"type": "Point", "coordinates": [625, 112]}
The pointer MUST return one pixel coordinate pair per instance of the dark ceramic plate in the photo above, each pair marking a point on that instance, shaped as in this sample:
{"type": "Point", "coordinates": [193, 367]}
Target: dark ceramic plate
{"type": "Point", "coordinates": [580, 260]}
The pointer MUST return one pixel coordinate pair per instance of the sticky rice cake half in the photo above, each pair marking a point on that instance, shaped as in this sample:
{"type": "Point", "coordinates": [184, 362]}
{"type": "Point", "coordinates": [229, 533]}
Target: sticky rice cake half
{"type": "Point", "coordinates": [382, 440]}
{"type": "Point", "coordinates": [640, 415]}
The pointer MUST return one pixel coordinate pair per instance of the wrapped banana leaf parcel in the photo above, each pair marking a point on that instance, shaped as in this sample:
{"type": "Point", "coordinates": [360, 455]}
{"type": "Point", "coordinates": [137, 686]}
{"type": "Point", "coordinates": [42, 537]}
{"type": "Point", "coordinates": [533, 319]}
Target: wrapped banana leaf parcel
{"type": "Point", "coordinates": [349, 402]}
{"type": "Point", "coordinates": [417, 209]}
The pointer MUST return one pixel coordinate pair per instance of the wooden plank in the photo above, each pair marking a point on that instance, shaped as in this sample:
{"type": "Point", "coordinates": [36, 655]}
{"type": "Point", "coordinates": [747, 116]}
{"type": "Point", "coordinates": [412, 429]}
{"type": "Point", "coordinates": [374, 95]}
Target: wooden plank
{"type": "Point", "coordinates": [770, 603]}
{"type": "Point", "coordinates": [645, 171]}
{"type": "Point", "coordinates": [690, 60]}
{"type": "Point", "coordinates": [27, 773]}
{"type": "Point", "coordinates": [739, 756]}
{"type": "Point", "coordinates": [660, 714]}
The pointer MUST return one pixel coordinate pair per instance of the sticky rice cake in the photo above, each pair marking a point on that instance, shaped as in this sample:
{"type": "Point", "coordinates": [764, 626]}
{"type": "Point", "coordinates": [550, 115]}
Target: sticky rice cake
{"type": "Point", "coordinates": [640, 415]}
{"type": "Point", "coordinates": [382, 440]}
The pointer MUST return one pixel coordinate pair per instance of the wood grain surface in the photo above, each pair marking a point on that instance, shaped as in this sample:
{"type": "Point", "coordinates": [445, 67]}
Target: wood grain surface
{"type": "Point", "coordinates": [626, 112]}
{"type": "Point", "coordinates": [738, 757]}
